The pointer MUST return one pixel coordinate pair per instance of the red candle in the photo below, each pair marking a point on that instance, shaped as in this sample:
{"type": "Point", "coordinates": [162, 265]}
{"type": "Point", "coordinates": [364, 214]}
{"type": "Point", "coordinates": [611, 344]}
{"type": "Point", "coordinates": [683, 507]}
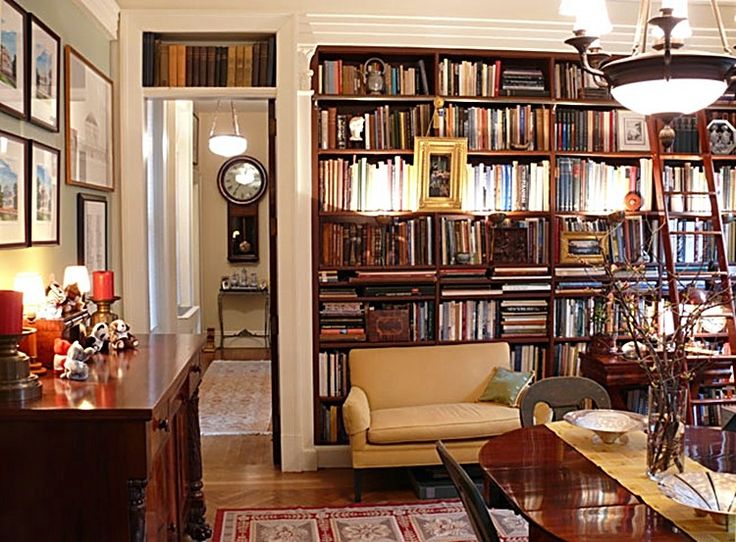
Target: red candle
{"type": "Point", "coordinates": [103, 285]}
{"type": "Point", "coordinates": [11, 312]}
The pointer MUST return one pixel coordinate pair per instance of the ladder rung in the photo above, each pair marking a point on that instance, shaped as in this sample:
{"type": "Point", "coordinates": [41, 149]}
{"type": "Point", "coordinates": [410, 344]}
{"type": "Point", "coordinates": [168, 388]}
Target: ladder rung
{"type": "Point", "coordinates": [688, 193]}
{"type": "Point", "coordinates": [681, 214]}
{"type": "Point", "coordinates": [700, 274]}
{"type": "Point", "coordinates": [697, 232]}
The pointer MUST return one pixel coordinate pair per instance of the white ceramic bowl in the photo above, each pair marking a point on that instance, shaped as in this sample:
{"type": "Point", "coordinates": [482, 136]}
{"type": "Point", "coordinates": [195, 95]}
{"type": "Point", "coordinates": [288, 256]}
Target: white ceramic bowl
{"type": "Point", "coordinates": [711, 493]}
{"type": "Point", "coordinates": [609, 425]}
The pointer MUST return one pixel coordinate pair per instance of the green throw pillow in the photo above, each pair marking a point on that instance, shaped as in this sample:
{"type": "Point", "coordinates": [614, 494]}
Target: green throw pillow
{"type": "Point", "coordinates": [506, 387]}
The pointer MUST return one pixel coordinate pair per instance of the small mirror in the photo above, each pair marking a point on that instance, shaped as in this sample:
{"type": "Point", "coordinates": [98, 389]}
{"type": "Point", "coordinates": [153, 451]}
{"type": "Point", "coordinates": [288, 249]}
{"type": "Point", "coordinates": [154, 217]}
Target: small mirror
{"type": "Point", "coordinates": [242, 180]}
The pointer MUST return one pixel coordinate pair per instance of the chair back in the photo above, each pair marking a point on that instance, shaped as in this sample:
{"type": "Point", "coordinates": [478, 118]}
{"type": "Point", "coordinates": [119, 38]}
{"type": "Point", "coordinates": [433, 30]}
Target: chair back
{"type": "Point", "coordinates": [475, 506]}
{"type": "Point", "coordinates": [562, 394]}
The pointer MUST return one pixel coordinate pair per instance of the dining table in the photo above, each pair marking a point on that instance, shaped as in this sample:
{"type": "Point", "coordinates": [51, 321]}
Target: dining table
{"type": "Point", "coordinates": [565, 495]}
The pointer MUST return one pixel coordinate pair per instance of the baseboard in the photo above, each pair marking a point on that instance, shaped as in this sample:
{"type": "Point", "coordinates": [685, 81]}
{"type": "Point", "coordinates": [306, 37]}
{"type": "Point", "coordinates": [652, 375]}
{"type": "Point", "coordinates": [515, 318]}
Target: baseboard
{"type": "Point", "coordinates": [243, 353]}
{"type": "Point", "coordinates": [333, 457]}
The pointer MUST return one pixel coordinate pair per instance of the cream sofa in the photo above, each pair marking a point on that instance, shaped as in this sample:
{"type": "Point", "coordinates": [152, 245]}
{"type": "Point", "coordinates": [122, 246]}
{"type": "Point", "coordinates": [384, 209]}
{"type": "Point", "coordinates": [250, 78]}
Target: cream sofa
{"type": "Point", "coordinates": [403, 400]}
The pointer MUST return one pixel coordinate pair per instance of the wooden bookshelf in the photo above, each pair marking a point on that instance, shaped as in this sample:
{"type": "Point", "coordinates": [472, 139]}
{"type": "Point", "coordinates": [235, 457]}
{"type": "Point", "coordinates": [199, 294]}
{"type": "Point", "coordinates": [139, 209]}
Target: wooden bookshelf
{"type": "Point", "coordinates": [482, 281]}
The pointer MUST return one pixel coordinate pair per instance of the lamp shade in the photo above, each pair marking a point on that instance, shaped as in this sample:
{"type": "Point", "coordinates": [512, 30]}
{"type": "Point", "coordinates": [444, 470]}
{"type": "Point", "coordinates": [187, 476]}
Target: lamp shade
{"type": "Point", "coordinates": [30, 284]}
{"type": "Point", "coordinates": [592, 16]}
{"type": "Point", "coordinates": [77, 274]}
{"type": "Point", "coordinates": [227, 145]}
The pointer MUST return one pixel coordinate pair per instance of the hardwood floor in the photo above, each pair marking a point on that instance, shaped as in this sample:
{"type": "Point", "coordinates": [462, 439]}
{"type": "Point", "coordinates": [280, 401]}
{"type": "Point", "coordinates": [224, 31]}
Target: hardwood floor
{"type": "Point", "coordinates": [238, 473]}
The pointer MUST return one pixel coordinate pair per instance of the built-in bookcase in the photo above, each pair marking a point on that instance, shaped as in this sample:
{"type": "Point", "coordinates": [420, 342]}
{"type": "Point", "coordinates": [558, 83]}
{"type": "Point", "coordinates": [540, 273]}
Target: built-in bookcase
{"type": "Point", "coordinates": [547, 160]}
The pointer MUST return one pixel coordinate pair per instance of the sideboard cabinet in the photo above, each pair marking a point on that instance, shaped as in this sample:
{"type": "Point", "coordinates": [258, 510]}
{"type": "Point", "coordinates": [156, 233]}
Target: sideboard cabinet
{"type": "Point", "coordinates": [114, 458]}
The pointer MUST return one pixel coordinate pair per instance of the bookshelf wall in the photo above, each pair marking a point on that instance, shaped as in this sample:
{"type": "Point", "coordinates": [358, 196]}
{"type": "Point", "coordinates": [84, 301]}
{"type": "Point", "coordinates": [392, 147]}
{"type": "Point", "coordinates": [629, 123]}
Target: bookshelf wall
{"type": "Point", "coordinates": [543, 149]}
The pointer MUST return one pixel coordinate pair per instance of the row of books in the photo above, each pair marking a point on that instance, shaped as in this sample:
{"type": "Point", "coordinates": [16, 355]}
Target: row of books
{"type": "Point", "coordinates": [579, 317]}
{"type": "Point", "coordinates": [633, 240]}
{"type": "Point", "coordinates": [591, 130]}
{"type": "Point", "coordinates": [333, 373]}
{"type": "Point", "coordinates": [528, 357]}
{"type": "Point", "coordinates": [467, 78]}
{"type": "Point", "coordinates": [406, 79]}
{"type": "Point", "coordinates": [686, 178]}
{"type": "Point", "coordinates": [572, 83]}
{"type": "Point", "coordinates": [725, 178]}
{"type": "Point", "coordinates": [521, 127]}
{"type": "Point", "coordinates": [507, 187]}
{"type": "Point", "coordinates": [384, 128]}
{"type": "Point", "coordinates": [711, 414]}
{"type": "Point", "coordinates": [567, 359]}
{"type": "Point", "coordinates": [331, 428]}
{"type": "Point", "coordinates": [686, 135]}
{"type": "Point", "coordinates": [168, 64]}
{"type": "Point", "coordinates": [480, 241]}
{"type": "Point", "coordinates": [342, 321]}
{"type": "Point", "coordinates": [587, 185]}
{"type": "Point", "coordinates": [521, 317]}
{"type": "Point", "coordinates": [693, 247]}
{"type": "Point", "coordinates": [469, 320]}
{"type": "Point", "coordinates": [357, 185]}
{"type": "Point", "coordinates": [402, 243]}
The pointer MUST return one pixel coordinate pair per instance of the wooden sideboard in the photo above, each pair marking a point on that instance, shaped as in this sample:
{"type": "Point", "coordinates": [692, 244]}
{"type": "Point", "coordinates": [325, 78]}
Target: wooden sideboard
{"type": "Point", "coordinates": [116, 457]}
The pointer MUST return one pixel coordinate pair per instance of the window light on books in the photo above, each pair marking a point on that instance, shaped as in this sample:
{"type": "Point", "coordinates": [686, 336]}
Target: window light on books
{"type": "Point", "coordinates": [665, 82]}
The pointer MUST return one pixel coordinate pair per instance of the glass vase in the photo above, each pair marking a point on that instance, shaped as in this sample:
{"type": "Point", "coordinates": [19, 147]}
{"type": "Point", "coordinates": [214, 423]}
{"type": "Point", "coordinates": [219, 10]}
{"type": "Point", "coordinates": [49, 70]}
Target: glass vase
{"type": "Point", "coordinates": [666, 430]}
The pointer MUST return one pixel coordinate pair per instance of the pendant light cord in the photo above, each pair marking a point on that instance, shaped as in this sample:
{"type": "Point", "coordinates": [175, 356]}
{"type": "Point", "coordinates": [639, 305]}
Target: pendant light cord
{"type": "Point", "coordinates": [235, 118]}
{"type": "Point", "coordinates": [214, 119]}
{"type": "Point", "coordinates": [236, 127]}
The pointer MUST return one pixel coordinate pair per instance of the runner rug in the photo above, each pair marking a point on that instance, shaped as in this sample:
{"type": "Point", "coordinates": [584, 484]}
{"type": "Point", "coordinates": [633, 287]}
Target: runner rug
{"type": "Point", "coordinates": [440, 521]}
{"type": "Point", "coordinates": [235, 398]}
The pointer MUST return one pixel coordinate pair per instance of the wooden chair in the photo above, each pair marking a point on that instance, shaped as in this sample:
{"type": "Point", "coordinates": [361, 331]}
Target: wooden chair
{"type": "Point", "coordinates": [473, 502]}
{"type": "Point", "coordinates": [562, 394]}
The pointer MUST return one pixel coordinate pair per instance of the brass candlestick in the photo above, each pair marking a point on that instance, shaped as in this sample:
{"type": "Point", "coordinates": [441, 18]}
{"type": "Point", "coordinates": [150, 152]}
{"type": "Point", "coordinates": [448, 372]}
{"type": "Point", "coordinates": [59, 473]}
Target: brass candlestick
{"type": "Point", "coordinates": [16, 381]}
{"type": "Point", "coordinates": [103, 312]}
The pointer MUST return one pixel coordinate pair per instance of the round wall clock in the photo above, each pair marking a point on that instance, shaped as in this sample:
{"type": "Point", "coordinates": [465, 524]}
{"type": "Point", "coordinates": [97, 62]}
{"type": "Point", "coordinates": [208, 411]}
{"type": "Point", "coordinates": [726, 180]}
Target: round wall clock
{"type": "Point", "coordinates": [242, 180]}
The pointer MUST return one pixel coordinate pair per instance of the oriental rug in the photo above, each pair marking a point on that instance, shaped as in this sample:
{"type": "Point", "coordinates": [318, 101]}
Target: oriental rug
{"type": "Point", "coordinates": [235, 398]}
{"type": "Point", "coordinates": [438, 521]}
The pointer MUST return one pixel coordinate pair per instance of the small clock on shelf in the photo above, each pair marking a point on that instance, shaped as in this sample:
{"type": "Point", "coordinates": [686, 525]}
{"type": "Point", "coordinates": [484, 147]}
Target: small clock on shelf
{"type": "Point", "coordinates": [242, 180]}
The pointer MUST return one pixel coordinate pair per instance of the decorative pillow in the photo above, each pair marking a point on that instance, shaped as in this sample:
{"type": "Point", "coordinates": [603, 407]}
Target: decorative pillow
{"type": "Point", "coordinates": [506, 387]}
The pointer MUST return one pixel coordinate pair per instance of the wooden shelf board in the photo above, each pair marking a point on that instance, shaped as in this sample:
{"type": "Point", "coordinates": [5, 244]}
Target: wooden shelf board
{"type": "Point", "coordinates": [193, 93]}
{"type": "Point", "coordinates": [372, 98]}
{"type": "Point", "coordinates": [620, 154]}
{"type": "Point", "coordinates": [366, 152]}
{"type": "Point", "coordinates": [323, 345]}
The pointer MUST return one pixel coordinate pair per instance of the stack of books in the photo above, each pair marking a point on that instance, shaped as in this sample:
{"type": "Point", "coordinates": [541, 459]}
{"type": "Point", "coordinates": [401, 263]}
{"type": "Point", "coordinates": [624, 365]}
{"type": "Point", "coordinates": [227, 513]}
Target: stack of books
{"type": "Point", "coordinates": [342, 322]}
{"type": "Point", "coordinates": [521, 317]}
{"type": "Point", "coordinates": [523, 82]}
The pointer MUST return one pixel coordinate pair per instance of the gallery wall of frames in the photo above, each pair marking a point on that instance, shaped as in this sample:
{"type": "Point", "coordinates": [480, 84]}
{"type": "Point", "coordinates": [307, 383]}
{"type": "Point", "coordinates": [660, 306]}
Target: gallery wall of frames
{"type": "Point", "coordinates": [37, 73]}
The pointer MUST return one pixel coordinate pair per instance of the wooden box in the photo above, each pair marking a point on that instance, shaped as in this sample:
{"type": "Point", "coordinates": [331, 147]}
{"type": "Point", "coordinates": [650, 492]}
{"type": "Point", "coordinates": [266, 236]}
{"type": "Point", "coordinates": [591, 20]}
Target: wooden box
{"type": "Point", "coordinates": [47, 331]}
{"type": "Point", "coordinates": [388, 325]}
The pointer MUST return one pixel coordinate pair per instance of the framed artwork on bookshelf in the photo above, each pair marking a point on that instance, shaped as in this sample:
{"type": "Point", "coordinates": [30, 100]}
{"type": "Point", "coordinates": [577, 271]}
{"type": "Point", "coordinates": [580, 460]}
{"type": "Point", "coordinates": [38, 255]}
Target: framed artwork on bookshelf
{"type": "Point", "coordinates": [440, 163]}
{"type": "Point", "coordinates": [13, 191]}
{"type": "Point", "coordinates": [581, 247]}
{"type": "Point", "coordinates": [45, 200]}
{"type": "Point", "coordinates": [12, 70]}
{"type": "Point", "coordinates": [43, 89]}
{"type": "Point", "coordinates": [92, 231]}
{"type": "Point", "coordinates": [631, 130]}
{"type": "Point", "coordinates": [89, 130]}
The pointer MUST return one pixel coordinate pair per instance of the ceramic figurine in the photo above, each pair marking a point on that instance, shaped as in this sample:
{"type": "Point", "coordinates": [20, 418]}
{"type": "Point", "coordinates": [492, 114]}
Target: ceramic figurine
{"type": "Point", "coordinates": [74, 300]}
{"type": "Point", "coordinates": [61, 347]}
{"type": "Point", "coordinates": [120, 336]}
{"type": "Point", "coordinates": [75, 365]}
{"type": "Point", "coordinates": [99, 337]}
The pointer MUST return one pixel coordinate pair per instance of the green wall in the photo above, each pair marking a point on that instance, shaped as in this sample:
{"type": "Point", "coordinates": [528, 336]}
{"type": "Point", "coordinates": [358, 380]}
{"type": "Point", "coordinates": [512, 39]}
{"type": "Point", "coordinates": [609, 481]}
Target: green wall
{"type": "Point", "coordinates": [78, 29]}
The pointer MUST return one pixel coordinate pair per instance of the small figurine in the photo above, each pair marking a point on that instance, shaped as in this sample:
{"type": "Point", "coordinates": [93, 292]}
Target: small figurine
{"type": "Point", "coordinates": [55, 294]}
{"type": "Point", "coordinates": [61, 347]}
{"type": "Point", "coordinates": [74, 301]}
{"type": "Point", "coordinates": [75, 366]}
{"type": "Point", "coordinates": [99, 337]}
{"type": "Point", "coordinates": [120, 336]}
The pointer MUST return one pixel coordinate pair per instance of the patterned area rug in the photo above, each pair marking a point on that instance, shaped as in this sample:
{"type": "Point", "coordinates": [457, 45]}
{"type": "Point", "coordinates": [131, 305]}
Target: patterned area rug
{"type": "Point", "coordinates": [235, 398]}
{"type": "Point", "coordinates": [439, 521]}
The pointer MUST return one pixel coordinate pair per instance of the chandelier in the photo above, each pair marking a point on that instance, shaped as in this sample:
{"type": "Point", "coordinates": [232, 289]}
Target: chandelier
{"type": "Point", "coordinates": [666, 82]}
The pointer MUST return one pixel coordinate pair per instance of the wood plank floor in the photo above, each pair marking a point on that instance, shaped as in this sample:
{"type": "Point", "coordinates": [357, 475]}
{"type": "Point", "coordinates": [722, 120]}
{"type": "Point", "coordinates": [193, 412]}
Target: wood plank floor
{"type": "Point", "coordinates": [238, 473]}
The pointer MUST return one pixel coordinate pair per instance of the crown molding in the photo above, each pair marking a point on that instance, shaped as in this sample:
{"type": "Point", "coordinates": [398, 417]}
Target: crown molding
{"type": "Point", "coordinates": [105, 12]}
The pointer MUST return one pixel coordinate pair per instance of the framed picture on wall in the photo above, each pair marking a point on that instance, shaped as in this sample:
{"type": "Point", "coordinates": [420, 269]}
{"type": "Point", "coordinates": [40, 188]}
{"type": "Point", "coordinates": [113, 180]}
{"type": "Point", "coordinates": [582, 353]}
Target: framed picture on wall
{"type": "Point", "coordinates": [92, 231]}
{"type": "Point", "coordinates": [43, 89]}
{"type": "Point", "coordinates": [44, 194]}
{"type": "Point", "coordinates": [13, 191]}
{"type": "Point", "coordinates": [89, 131]}
{"type": "Point", "coordinates": [13, 62]}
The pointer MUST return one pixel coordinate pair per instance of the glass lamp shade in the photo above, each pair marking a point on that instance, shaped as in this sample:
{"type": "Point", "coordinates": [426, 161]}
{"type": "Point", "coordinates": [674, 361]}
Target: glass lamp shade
{"type": "Point", "coordinates": [227, 145]}
{"type": "Point", "coordinates": [77, 274]}
{"type": "Point", "coordinates": [34, 293]}
{"type": "Point", "coordinates": [591, 16]}
{"type": "Point", "coordinates": [682, 96]}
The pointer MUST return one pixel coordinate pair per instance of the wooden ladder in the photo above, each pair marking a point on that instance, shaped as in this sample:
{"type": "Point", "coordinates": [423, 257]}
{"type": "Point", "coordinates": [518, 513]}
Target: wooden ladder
{"type": "Point", "coordinates": [722, 366]}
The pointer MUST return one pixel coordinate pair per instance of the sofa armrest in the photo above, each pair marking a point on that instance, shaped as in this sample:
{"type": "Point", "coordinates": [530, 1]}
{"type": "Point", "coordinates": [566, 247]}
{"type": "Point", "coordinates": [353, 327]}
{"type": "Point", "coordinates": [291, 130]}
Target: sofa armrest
{"type": "Point", "coordinates": [356, 412]}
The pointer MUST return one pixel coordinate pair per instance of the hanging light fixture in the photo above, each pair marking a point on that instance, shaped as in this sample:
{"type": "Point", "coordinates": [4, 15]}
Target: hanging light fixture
{"type": "Point", "coordinates": [227, 144]}
{"type": "Point", "coordinates": [665, 82]}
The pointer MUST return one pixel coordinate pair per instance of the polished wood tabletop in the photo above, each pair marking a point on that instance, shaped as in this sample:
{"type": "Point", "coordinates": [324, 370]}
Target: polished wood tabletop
{"type": "Point", "coordinates": [567, 497]}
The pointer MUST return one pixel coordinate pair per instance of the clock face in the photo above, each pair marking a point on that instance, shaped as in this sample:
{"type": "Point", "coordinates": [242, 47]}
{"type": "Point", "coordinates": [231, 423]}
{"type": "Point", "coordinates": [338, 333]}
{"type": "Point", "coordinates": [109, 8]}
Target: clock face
{"type": "Point", "coordinates": [242, 180]}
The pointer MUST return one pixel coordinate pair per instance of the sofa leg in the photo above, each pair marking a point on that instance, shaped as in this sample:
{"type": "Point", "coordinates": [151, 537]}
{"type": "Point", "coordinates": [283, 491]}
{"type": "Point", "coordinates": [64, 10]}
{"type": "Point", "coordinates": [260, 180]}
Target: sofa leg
{"type": "Point", "coordinates": [357, 484]}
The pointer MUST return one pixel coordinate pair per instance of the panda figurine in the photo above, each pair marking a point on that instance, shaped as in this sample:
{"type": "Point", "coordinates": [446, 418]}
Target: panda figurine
{"type": "Point", "coordinates": [120, 336]}
{"type": "Point", "coordinates": [98, 337]}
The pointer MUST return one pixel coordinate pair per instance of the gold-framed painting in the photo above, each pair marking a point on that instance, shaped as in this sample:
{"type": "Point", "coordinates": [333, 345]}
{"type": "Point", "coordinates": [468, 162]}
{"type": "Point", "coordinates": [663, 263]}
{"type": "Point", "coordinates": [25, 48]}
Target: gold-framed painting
{"type": "Point", "coordinates": [440, 164]}
{"type": "Point", "coordinates": [582, 247]}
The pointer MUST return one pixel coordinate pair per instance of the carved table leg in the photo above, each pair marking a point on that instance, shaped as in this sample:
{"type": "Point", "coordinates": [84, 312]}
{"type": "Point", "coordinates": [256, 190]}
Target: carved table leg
{"type": "Point", "coordinates": [197, 527]}
{"type": "Point", "coordinates": [137, 509]}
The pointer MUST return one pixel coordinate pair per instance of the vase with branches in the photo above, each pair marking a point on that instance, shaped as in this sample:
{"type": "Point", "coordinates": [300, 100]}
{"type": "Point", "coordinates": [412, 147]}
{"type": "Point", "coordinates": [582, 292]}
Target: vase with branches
{"type": "Point", "coordinates": [662, 337]}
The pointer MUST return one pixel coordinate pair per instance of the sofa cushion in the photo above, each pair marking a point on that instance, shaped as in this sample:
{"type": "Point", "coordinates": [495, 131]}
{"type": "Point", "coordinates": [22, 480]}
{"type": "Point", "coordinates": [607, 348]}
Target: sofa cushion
{"type": "Point", "coordinates": [448, 421]}
{"type": "Point", "coordinates": [506, 387]}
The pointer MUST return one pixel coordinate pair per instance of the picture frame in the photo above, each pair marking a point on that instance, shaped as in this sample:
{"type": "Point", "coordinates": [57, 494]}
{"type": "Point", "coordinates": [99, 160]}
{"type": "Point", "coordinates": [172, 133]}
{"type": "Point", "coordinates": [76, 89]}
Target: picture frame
{"type": "Point", "coordinates": [45, 194]}
{"type": "Point", "coordinates": [92, 231]}
{"type": "Point", "coordinates": [44, 50]}
{"type": "Point", "coordinates": [89, 124]}
{"type": "Point", "coordinates": [14, 207]}
{"type": "Point", "coordinates": [13, 71]}
{"type": "Point", "coordinates": [440, 163]}
{"type": "Point", "coordinates": [631, 131]}
{"type": "Point", "coordinates": [582, 247]}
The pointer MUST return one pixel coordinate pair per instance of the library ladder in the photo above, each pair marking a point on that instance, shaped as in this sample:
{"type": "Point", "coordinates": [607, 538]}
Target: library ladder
{"type": "Point", "coordinates": [718, 274]}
